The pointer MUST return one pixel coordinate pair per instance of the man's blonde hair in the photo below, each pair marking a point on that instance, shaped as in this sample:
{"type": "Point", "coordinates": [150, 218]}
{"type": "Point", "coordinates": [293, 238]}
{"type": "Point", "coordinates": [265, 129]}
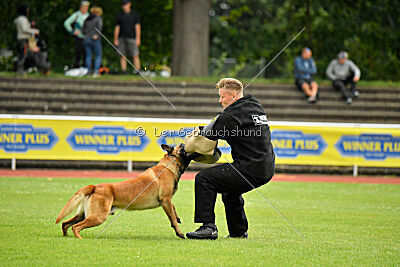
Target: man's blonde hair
{"type": "Point", "coordinates": [230, 84]}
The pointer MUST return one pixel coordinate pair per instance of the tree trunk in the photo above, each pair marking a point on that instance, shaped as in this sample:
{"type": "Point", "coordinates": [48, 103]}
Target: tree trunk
{"type": "Point", "coordinates": [191, 31]}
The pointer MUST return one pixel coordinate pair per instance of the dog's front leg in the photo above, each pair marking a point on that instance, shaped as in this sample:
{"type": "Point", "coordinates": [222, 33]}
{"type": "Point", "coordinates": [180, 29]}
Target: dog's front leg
{"type": "Point", "coordinates": [169, 210]}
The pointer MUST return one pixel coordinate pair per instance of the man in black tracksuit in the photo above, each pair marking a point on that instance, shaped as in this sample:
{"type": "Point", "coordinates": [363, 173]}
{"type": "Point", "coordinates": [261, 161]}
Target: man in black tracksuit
{"type": "Point", "coordinates": [243, 124]}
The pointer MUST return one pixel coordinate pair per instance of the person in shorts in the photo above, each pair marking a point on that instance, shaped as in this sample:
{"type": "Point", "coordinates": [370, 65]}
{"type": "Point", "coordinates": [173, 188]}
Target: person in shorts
{"type": "Point", "coordinates": [127, 35]}
{"type": "Point", "coordinates": [304, 69]}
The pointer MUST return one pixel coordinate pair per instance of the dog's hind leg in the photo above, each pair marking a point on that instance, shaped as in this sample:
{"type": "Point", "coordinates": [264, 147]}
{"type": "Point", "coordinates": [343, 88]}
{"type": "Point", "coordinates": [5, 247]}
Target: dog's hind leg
{"type": "Point", "coordinates": [72, 221]}
{"type": "Point", "coordinates": [176, 214]}
{"type": "Point", "coordinates": [98, 209]}
{"type": "Point", "coordinates": [169, 210]}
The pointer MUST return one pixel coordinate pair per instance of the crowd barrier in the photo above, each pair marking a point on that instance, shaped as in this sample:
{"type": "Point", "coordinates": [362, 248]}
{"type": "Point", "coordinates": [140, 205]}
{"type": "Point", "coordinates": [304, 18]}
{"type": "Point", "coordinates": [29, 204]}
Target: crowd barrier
{"type": "Point", "coordinates": [40, 137]}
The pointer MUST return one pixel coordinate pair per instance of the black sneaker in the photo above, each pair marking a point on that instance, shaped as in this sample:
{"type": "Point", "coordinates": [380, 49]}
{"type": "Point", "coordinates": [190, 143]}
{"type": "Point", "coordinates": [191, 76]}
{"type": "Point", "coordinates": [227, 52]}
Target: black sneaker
{"type": "Point", "coordinates": [244, 236]}
{"type": "Point", "coordinates": [204, 232]}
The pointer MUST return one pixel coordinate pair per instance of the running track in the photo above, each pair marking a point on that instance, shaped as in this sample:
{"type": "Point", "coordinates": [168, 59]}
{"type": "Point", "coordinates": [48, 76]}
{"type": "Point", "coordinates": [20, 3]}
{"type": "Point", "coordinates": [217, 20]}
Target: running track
{"type": "Point", "coordinates": [191, 175]}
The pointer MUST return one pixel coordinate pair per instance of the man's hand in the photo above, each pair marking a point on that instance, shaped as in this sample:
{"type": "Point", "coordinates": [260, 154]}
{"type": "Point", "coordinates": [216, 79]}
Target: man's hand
{"type": "Point", "coordinates": [76, 32]}
{"type": "Point", "coordinates": [137, 42]}
{"type": "Point", "coordinates": [356, 79]}
{"type": "Point", "coordinates": [116, 42]}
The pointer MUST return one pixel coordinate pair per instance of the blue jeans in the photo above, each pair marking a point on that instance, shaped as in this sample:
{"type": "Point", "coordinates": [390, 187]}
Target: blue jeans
{"type": "Point", "coordinates": [90, 47]}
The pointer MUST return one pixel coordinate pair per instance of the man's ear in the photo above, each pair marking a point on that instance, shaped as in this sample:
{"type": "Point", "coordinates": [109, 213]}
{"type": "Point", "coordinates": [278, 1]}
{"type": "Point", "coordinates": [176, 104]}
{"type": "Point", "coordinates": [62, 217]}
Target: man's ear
{"type": "Point", "coordinates": [167, 148]}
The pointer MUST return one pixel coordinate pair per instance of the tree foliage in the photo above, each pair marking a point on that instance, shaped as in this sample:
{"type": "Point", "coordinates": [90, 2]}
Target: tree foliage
{"type": "Point", "coordinates": [243, 29]}
{"type": "Point", "coordinates": [251, 29]}
{"type": "Point", "coordinates": [156, 21]}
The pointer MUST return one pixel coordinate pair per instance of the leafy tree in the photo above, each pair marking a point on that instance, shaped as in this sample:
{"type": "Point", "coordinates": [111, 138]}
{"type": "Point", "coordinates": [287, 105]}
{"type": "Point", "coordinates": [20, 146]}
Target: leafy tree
{"type": "Point", "coordinates": [246, 30]}
{"type": "Point", "coordinates": [156, 21]}
{"type": "Point", "coordinates": [368, 30]}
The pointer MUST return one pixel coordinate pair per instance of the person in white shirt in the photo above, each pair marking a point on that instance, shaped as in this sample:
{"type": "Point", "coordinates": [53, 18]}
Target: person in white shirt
{"type": "Point", "coordinates": [24, 32]}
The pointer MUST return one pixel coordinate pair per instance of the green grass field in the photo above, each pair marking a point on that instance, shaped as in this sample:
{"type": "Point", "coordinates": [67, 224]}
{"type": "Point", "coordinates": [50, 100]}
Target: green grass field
{"type": "Point", "coordinates": [346, 224]}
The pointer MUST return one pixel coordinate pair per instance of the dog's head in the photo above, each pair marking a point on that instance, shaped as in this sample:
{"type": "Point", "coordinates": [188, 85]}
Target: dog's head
{"type": "Point", "coordinates": [180, 154]}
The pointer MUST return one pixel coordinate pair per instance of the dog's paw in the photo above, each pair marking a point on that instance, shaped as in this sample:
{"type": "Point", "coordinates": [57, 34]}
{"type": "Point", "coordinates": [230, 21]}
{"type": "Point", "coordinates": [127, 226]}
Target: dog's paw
{"type": "Point", "coordinates": [178, 220]}
{"type": "Point", "coordinates": [181, 235]}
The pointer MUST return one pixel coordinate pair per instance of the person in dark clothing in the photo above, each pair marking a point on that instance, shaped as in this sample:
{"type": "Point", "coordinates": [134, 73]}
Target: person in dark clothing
{"type": "Point", "coordinates": [92, 41]}
{"type": "Point", "coordinates": [243, 124]}
{"type": "Point", "coordinates": [127, 34]}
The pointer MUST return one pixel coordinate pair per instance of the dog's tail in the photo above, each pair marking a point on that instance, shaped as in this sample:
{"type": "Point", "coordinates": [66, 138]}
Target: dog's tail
{"type": "Point", "coordinates": [75, 201]}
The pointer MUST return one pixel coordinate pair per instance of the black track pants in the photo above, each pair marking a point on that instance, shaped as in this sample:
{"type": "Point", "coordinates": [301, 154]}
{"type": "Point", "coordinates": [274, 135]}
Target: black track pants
{"type": "Point", "coordinates": [226, 180]}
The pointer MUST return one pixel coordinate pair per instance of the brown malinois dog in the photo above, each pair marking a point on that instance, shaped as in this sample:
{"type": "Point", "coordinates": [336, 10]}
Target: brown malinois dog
{"type": "Point", "coordinates": [94, 202]}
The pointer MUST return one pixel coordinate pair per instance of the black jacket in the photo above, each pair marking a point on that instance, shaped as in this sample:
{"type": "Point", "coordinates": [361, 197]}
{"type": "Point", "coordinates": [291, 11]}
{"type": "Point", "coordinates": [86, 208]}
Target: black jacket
{"type": "Point", "coordinates": [244, 126]}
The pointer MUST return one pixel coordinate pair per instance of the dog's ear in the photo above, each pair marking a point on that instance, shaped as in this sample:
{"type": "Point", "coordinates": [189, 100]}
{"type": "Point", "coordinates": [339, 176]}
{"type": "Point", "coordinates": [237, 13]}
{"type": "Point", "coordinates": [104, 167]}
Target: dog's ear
{"type": "Point", "coordinates": [167, 148]}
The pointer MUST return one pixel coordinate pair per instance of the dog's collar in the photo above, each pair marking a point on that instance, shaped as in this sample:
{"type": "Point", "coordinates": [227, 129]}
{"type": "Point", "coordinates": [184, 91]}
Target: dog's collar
{"type": "Point", "coordinates": [181, 169]}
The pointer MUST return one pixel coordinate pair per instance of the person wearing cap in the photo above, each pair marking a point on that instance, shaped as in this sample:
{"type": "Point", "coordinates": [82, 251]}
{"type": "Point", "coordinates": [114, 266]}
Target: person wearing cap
{"type": "Point", "coordinates": [343, 72]}
{"type": "Point", "coordinates": [243, 124]}
{"type": "Point", "coordinates": [127, 35]}
{"type": "Point", "coordinates": [304, 69]}
{"type": "Point", "coordinates": [73, 24]}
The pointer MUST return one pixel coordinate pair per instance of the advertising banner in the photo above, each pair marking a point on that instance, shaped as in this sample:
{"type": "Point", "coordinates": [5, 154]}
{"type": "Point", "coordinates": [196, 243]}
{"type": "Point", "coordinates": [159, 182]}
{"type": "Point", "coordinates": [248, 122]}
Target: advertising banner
{"type": "Point", "coordinates": [138, 139]}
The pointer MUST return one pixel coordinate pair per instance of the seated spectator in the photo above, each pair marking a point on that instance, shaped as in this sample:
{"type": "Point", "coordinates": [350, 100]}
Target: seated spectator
{"type": "Point", "coordinates": [304, 69]}
{"type": "Point", "coordinates": [37, 54]}
{"type": "Point", "coordinates": [92, 42]}
{"type": "Point", "coordinates": [342, 71]}
{"type": "Point", "coordinates": [24, 32]}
